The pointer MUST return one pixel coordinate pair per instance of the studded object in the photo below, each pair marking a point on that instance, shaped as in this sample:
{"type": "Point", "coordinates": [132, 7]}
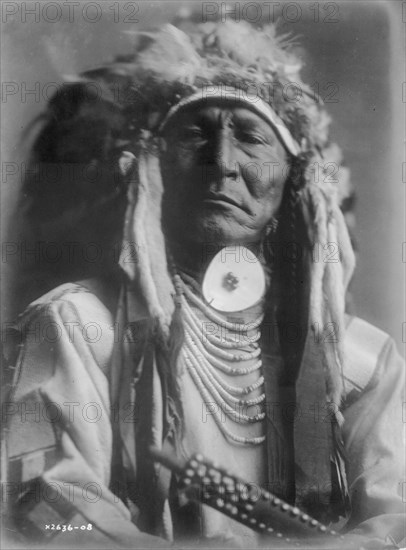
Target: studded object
{"type": "Point", "coordinates": [260, 510]}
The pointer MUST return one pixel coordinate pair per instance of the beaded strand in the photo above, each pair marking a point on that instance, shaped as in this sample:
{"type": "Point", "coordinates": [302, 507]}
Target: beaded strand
{"type": "Point", "coordinates": [206, 396]}
{"type": "Point", "coordinates": [205, 359]}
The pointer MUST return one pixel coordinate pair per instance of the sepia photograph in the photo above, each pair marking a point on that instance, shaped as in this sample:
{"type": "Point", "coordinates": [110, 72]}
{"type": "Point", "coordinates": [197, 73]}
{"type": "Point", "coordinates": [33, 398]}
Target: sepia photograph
{"type": "Point", "coordinates": [203, 297]}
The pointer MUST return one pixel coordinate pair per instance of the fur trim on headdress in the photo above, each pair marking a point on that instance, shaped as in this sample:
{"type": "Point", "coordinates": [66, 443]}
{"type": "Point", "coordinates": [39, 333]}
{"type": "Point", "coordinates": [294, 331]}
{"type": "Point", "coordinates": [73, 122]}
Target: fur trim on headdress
{"type": "Point", "coordinates": [169, 65]}
{"type": "Point", "coordinates": [142, 233]}
{"type": "Point", "coordinates": [332, 267]}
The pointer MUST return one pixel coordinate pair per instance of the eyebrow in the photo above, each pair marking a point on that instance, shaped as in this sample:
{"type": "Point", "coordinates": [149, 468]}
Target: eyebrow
{"type": "Point", "coordinates": [239, 120]}
{"type": "Point", "coordinates": [252, 123]}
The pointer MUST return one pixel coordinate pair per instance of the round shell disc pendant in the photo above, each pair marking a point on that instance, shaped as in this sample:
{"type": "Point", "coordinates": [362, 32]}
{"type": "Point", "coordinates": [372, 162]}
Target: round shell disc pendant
{"type": "Point", "coordinates": [234, 280]}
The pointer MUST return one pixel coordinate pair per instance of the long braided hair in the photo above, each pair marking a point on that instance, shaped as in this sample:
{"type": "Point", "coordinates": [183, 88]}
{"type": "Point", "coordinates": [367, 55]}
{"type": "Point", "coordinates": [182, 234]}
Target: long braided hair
{"type": "Point", "coordinates": [286, 251]}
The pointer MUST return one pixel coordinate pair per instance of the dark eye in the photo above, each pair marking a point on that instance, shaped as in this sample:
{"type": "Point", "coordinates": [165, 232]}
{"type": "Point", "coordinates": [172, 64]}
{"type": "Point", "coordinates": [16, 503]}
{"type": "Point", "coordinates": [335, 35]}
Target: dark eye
{"type": "Point", "coordinates": [252, 139]}
{"type": "Point", "coordinates": [192, 133]}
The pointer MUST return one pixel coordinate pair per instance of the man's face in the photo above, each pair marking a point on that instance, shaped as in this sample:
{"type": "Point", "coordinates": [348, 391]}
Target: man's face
{"type": "Point", "coordinates": [224, 171]}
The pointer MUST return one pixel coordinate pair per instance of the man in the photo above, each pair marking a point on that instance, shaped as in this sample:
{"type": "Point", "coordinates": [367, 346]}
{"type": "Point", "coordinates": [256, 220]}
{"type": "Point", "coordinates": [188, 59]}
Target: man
{"type": "Point", "coordinates": [226, 336]}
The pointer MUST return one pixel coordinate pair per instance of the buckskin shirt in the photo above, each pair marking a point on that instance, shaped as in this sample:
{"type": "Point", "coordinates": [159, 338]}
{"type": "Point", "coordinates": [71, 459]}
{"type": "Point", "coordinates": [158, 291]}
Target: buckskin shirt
{"type": "Point", "coordinates": [61, 425]}
{"type": "Point", "coordinates": [106, 367]}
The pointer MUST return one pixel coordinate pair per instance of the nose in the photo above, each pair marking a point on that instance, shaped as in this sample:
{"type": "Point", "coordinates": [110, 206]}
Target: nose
{"type": "Point", "coordinates": [223, 157]}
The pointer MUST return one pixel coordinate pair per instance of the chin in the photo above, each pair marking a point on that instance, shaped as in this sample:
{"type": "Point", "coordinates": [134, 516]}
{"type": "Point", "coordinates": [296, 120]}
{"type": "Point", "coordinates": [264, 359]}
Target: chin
{"type": "Point", "coordinates": [220, 232]}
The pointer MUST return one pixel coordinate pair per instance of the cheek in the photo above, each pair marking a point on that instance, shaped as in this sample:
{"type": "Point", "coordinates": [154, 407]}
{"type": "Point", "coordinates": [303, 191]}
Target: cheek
{"type": "Point", "coordinates": [173, 164]}
{"type": "Point", "coordinates": [266, 179]}
{"type": "Point", "coordinates": [178, 164]}
{"type": "Point", "coordinates": [178, 170]}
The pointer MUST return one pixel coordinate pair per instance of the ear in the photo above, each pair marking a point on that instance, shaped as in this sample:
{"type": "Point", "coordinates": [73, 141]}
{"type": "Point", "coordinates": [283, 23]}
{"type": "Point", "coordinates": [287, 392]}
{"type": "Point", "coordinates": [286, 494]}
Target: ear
{"type": "Point", "coordinates": [126, 162]}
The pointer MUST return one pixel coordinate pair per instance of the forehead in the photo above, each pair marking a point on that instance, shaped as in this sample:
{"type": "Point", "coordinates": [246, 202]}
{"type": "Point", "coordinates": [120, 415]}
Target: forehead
{"type": "Point", "coordinates": [219, 113]}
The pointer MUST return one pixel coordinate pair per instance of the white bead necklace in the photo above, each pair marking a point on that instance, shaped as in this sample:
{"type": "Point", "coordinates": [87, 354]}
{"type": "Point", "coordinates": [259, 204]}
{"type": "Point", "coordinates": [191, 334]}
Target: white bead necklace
{"type": "Point", "coordinates": [205, 357]}
{"type": "Point", "coordinates": [216, 385]}
{"type": "Point", "coordinates": [212, 346]}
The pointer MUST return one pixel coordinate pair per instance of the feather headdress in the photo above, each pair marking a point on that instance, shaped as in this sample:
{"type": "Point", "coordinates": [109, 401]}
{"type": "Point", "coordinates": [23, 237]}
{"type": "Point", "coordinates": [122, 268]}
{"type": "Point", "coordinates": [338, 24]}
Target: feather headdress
{"type": "Point", "coordinates": [169, 66]}
{"type": "Point", "coordinates": [166, 67]}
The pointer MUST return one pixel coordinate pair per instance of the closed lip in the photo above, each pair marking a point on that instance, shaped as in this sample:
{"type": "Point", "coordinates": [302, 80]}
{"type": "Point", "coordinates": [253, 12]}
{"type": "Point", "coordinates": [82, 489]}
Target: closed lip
{"type": "Point", "coordinates": [220, 197]}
